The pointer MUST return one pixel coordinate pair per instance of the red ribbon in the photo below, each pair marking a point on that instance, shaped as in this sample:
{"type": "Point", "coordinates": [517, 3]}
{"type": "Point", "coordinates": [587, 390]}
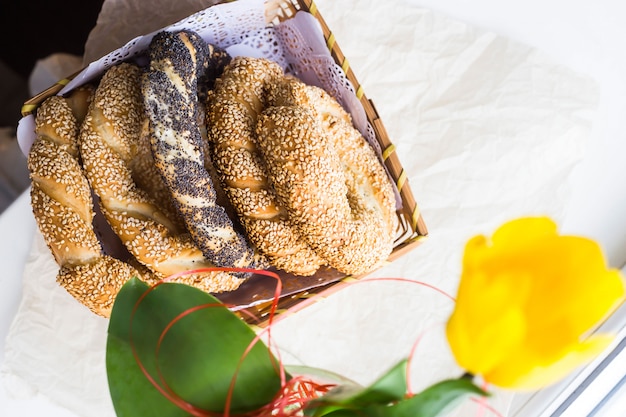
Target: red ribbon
{"type": "Point", "coordinates": [291, 398]}
{"type": "Point", "coordinates": [296, 392]}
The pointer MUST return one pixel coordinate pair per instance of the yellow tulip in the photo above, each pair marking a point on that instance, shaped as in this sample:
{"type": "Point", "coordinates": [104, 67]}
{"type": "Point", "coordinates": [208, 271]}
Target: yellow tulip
{"type": "Point", "coordinates": [526, 303]}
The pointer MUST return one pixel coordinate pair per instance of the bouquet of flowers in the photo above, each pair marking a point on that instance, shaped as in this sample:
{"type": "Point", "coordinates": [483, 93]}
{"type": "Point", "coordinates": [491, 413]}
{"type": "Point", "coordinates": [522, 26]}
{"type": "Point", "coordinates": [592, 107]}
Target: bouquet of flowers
{"type": "Point", "coordinates": [176, 351]}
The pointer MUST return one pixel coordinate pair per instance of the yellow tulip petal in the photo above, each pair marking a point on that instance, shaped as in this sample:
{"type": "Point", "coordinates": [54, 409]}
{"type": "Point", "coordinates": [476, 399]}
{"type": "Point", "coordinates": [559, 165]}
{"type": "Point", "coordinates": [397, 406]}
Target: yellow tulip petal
{"type": "Point", "coordinates": [566, 304]}
{"type": "Point", "coordinates": [481, 350]}
{"type": "Point", "coordinates": [475, 251]}
{"type": "Point", "coordinates": [520, 375]}
{"type": "Point", "coordinates": [577, 311]}
{"type": "Point", "coordinates": [475, 329]}
{"type": "Point", "coordinates": [526, 298]}
{"type": "Point", "coordinates": [521, 231]}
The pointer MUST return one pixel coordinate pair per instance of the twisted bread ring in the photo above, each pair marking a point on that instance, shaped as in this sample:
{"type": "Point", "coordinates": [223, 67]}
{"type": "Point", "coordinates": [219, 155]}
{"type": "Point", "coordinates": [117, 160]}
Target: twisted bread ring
{"type": "Point", "coordinates": [63, 208]}
{"type": "Point", "coordinates": [171, 96]}
{"type": "Point", "coordinates": [352, 224]}
{"type": "Point", "coordinates": [239, 96]}
{"type": "Point", "coordinates": [109, 141]}
{"type": "Point", "coordinates": [333, 186]}
{"type": "Point", "coordinates": [309, 180]}
{"type": "Point", "coordinates": [359, 160]}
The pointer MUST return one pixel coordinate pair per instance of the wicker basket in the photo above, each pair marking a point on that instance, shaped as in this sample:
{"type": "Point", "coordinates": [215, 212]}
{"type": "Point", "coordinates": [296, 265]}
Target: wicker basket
{"type": "Point", "coordinates": [412, 229]}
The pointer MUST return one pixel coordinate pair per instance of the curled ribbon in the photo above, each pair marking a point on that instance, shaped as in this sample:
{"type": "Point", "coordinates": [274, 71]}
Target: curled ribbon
{"type": "Point", "coordinates": [296, 392]}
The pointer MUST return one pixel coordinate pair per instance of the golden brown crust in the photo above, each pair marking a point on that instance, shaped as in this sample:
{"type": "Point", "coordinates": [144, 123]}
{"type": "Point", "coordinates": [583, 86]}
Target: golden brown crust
{"type": "Point", "coordinates": [79, 101]}
{"type": "Point", "coordinates": [63, 208]}
{"type": "Point", "coordinates": [328, 203]}
{"type": "Point", "coordinates": [302, 178]}
{"type": "Point", "coordinates": [55, 123]}
{"type": "Point", "coordinates": [109, 141]}
{"type": "Point", "coordinates": [62, 204]}
{"type": "Point", "coordinates": [97, 283]}
{"type": "Point", "coordinates": [361, 165]}
{"type": "Point", "coordinates": [293, 92]}
{"type": "Point", "coordinates": [364, 173]}
{"type": "Point", "coordinates": [240, 96]}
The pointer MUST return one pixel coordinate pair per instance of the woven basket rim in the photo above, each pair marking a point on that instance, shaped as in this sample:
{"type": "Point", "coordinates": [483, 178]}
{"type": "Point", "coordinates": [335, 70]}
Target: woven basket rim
{"type": "Point", "coordinates": [412, 229]}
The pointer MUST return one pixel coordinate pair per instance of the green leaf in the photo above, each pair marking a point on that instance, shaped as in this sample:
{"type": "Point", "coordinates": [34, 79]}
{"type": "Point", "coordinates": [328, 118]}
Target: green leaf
{"type": "Point", "coordinates": [320, 375]}
{"type": "Point", "coordinates": [386, 398]}
{"type": "Point", "coordinates": [198, 357]}
{"type": "Point", "coordinates": [389, 388]}
{"type": "Point", "coordinates": [432, 402]}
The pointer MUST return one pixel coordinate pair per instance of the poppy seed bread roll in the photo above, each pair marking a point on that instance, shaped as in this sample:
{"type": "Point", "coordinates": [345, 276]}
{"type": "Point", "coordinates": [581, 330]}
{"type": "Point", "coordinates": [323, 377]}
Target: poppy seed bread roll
{"type": "Point", "coordinates": [109, 140]}
{"type": "Point", "coordinates": [170, 91]}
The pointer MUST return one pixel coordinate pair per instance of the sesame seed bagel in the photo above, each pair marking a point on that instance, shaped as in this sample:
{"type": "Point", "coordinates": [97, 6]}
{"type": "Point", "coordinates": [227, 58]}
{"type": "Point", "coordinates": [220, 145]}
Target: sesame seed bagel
{"type": "Point", "coordinates": [110, 139]}
{"type": "Point", "coordinates": [293, 92]}
{"type": "Point", "coordinates": [240, 95]}
{"type": "Point", "coordinates": [362, 167]}
{"type": "Point", "coordinates": [329, 207]}
{"type": "Point", "coordinates": [170, 91]}
{"type": "Point", "coordinates": [63, 208]}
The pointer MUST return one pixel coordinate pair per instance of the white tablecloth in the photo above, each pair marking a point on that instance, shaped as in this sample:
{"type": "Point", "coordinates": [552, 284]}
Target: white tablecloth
{"type": "Point", "coordinates": [491, 107]}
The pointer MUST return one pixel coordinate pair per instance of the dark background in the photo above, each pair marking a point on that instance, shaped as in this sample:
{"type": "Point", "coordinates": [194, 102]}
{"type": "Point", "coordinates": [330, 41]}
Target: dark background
{"type": "Point", "coordinates": [31, 30]}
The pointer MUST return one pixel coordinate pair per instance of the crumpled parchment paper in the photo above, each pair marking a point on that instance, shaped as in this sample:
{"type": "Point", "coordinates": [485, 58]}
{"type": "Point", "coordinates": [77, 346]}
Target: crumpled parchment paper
{"type": "Point", "coordinates": [487, 130]}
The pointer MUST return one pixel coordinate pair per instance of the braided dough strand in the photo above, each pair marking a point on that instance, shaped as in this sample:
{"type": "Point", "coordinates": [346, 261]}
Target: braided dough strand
{"type": "Point", "coordinates": [170, 93]}
{"type": "Point", "coordinates": [148, 178]}
{"type": "Point", "coordinates": [324, 204]}
{"type": "Point", "coordinates": [239, 97]}
{"type": "Point", "coordinates": [63, 208]}
{"type": "Point", "coordinates": [362, 167]}
{"type": "Point", "coordinates": [109, 141]}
